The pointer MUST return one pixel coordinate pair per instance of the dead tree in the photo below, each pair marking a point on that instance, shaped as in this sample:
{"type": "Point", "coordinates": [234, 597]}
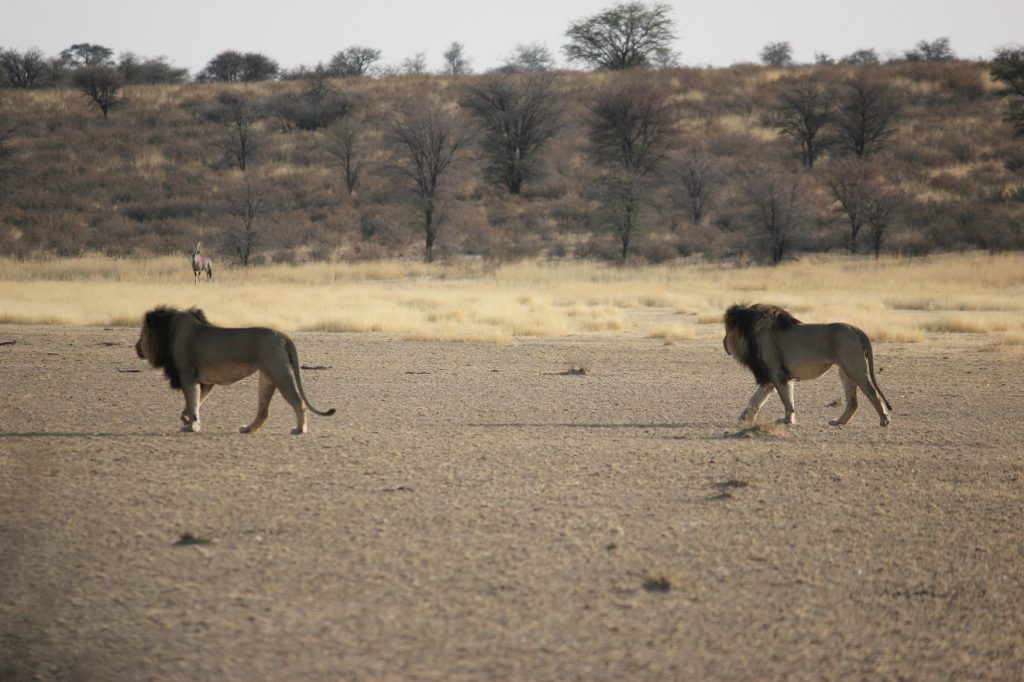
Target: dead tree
{"type": "Point", "coordinates": [879, 213]}
{"type": "Point", "coordinates": [866, 117]}
{"type": "Point", "coordinates": [238, 112]}
{"type": "Point", "coordinates": [631, 131]}
{"type": "Point", "coordinates": [518, 114]}
{"type": "Point", "coordinates": [699, 175]}
{"type": "Point", "coordinates": [804, 110]}
{"type": "Point", "coordinates": [427, 139]}
{"type": "Point", "coordinates": [849, 183]}
{"type": "Point", "coordinates": [777, 201]}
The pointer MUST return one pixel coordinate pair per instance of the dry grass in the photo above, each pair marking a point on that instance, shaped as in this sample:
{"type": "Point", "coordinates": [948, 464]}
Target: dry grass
{"type": "Point", "coordinates": [469, 300]}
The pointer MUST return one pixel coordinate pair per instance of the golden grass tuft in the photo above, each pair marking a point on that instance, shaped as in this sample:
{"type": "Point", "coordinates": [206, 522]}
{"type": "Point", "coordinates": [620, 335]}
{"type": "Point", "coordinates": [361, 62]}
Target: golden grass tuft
{"type": "Point", "coordinates": [892, 299]}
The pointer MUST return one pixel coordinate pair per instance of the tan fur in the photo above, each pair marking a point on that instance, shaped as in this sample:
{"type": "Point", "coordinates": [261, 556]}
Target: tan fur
{"type": "Point", "coordinates": [779, 349]}
{"type": "Point", "coordinates": [196, 355]}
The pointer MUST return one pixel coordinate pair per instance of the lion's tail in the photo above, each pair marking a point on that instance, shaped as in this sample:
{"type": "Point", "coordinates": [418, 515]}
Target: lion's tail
{"type": "Point", "coordinates": [871, 367]}
{"type": "Point", "coordinates": [293, 357]}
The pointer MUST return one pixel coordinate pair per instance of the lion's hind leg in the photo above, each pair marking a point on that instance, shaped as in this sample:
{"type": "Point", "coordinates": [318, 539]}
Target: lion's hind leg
{"type": "Point", "coordinates": [267, 389]}
{"type": "Point", "coordinates": [763, 392]}
{"type": "Point", "coordinates": [286, 384]}
{"type": "Point", "coordinates": [850, 395]}
{"type": "Point", "coordinates": [864, 382]}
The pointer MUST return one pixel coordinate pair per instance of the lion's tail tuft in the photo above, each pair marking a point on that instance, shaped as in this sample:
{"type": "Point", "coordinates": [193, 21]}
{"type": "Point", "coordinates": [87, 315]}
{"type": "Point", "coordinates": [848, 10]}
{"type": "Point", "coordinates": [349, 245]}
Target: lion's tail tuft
{"type": "Point", "coordinates": [293, 357]}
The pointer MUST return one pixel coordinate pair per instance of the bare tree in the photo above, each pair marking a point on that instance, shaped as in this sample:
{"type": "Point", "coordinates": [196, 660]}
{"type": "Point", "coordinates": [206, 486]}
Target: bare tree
{"type": "Point", "coordinates": [862, 56]}
{"type": "Point", "coordinates": [456, 62]}
{"type": "Point", "coordinates": [700, 177]}
{"type": "Point", "coordinates": [880, 210]}
{"type": "Point", "coordinates": [632, 128]}
{"type": "Point", "coordinates": [238, 112]}
{"type": "Point", "coordinates": [139, 70]}
{"type": "Point", "coordinates": [247, 204]}
{"type": "Point", "coordinates": [632, 124]}
{"type": "Point", "coordinates": [778, 203]}
{"type": "Point", "coordinates": [623, 36]}
{"type": "Point", "coordinates": [428, 138]}
{"type": "Point", "coordinates": [850, 183]}
{"type": "Point", "coordinates": [345, 145]}
{"type": "Point", "coordinates": [777, 54]}
{"type": "Point", "coordinates": [8, 168]}
{"type": "Point", "coordinates": [530, 57]}
{"type": "Point", "coordinates": [866, 117]}
{"type": "Point", "coordinates": [805, 108]}
{"type": "Point", "coordinates": [938, 50]}
{"type": "Point", "coordinates": [416, 64]}
{"type": "Point", "coordinates": [101, 84]}
{"type": "Point", "coordinates": [1008, 69]}
{"type": "Point", "coordinates": [23, 69]}
{"type": "Point", "coordinates": [353, 61]}
{"type": "Point", "coordinates": [518, 114]}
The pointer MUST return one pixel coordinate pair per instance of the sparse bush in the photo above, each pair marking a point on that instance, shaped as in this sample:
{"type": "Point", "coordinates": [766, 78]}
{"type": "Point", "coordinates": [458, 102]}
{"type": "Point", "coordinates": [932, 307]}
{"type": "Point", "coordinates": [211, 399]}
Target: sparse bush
{"type": "Point", "coordinates": [238, 113]}
{"type": "Point", "coordinates": [518, 114]}
{"type": "Point", "coordinates": [101, 84]}
{"type": "Point", "coordinates": [777, 201]}
{"type": "Point", "coordinates": [456, 62]}
{"type": "Point", "coordinates": [237, 67]}
{"type": "Point", "coordinates": [938, 50]}
{"type": "Point", "coordinates": [317, 106]}
{"type": "Point", "coordinates": [529, 57]}
{"type": "Point", "coordinates": [777, 54]}
{"type": "Point", "coordinates": [139, 71]}
{"type": "Point", "coordinates": [23, 69]}
{"type": "Point", "coordinates": [353, 62]}
{"type": "Point", "coordinates": [1008, 69]}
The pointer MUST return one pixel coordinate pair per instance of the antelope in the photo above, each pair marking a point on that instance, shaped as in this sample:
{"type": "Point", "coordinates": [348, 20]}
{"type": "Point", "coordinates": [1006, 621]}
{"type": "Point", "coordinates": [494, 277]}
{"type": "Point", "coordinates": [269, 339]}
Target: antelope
{"type": "Point", "coordinates": [200, 264]}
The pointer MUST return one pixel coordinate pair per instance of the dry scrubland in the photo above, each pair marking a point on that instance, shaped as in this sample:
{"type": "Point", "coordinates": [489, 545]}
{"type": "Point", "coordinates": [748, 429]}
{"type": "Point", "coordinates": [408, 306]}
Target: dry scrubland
{"type": "Point", "coordinates": [153, 178]}
{"type": "Point", "coordinates": [905, 300]}
{"type": "Point", "coordinates": [582, 507]}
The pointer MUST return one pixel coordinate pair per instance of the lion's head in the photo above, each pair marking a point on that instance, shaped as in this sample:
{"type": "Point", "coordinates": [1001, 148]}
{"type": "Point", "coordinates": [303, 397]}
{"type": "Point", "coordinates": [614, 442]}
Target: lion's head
{"type": "Point", "coordinates": [154, 344]}
{"type": "Point", "coordinates": [745, 325]}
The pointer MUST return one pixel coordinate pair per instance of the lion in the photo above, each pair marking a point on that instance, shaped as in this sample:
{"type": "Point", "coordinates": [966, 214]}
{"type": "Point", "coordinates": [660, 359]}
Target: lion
{"type": "Point", "coordinates": [778, 348]}
{"type": "Point", "coordinates": [196, 355]}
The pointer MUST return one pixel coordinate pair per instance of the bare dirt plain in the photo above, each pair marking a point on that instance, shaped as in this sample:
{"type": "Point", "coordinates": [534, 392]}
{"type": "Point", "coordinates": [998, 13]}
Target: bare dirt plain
{"type": "Point", "coordinates": [477, 512]}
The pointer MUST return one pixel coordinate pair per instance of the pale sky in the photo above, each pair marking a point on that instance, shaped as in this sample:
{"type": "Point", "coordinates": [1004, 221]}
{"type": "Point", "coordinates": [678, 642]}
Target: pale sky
{"type": "Point", "coordinates": [304, 32]}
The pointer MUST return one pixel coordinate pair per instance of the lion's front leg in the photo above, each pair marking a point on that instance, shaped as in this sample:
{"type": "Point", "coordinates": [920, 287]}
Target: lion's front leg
{"type": "Point", "coordinates": [762, 394]}
{"type": "Point", "coordinates": [190, 415]}
{"type": "Point", "coordinates": [785, 389]}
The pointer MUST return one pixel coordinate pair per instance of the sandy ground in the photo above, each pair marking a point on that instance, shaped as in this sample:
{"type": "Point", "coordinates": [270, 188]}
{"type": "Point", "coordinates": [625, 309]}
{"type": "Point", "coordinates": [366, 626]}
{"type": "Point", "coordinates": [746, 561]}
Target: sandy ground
{"type": "Point", "coordinates": [477, 512]}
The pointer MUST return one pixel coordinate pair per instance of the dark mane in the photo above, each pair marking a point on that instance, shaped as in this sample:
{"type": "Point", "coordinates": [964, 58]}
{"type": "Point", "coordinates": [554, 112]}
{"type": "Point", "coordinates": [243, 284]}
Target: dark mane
{"type": "Point", "coordinates": [199, 315]}
{"type": "Point", "coordinates": [158, 322]}
{"type": "Point", "coordinates": [748, 320]}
